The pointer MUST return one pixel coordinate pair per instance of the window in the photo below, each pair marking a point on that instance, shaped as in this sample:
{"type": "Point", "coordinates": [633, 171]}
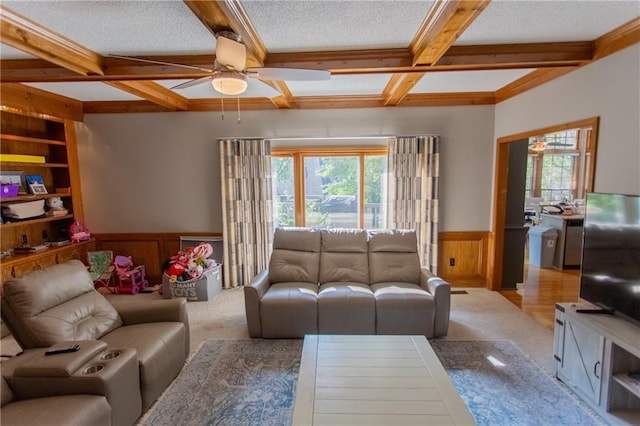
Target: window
{"type": "Point", "coordinates": [561, 170]}
{"type": "Point", "coordinates": [330, 187]}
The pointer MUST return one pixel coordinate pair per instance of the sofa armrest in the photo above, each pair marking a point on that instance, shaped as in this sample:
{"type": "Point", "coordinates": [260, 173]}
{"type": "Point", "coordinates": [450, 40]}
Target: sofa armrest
{"type": "Point", "coordinates": [441, 291]}
{"type": "Point", "coordinates": [95, 369]}
{"type": "Point", "coordinates": [155, 310]}
{"type": "Point", "coordinates": [252, 295]}
{"type": "Point", "coordinates": [158, 310]}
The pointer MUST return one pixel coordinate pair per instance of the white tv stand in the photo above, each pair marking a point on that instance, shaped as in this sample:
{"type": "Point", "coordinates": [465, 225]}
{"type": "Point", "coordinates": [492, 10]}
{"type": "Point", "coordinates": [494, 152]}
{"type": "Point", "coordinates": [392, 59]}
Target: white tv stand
{"type": "Point", "coordinates": [594, 355]}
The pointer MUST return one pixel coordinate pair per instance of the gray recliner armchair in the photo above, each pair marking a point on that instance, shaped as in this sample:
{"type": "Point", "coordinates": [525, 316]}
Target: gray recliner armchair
{"type": "Point", "coordinates": [60, 303]}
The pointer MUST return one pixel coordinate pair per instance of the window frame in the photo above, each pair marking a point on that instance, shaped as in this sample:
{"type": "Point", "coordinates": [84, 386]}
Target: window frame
{"type": "Point", "coordinates": [298, 154]}
{"type": "Point", "coordinates": [583, 164]}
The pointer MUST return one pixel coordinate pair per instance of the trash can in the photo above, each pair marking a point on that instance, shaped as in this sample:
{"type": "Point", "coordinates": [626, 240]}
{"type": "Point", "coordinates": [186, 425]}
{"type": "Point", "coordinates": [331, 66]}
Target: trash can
{"type": "Point", "coordinates": [542, 246]}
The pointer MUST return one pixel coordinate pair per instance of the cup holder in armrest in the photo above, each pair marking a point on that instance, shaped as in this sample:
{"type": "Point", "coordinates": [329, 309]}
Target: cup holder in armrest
{"type": "Point", "coordinates": [110, 355]}
{"type": "Point", "coordinates": [92, 369]}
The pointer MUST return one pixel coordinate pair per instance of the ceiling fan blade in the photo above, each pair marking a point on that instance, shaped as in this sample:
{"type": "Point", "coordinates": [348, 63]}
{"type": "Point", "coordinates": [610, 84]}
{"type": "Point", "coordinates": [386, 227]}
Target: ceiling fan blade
{"type": "Point", "coordinates": [291, 74]}
{"type": "Point", "coordinates": [131, 58]}
{"type": "Point", "coordinates": [191, 83]}
{"type": "Point", "coordinates": [261, 88]}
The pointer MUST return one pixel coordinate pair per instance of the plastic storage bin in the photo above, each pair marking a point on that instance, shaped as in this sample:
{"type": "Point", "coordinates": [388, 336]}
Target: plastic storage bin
{"type": "Point", "coordinates": [542, 246]}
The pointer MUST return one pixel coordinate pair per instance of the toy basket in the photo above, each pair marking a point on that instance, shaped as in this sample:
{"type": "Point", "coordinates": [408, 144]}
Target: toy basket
{"type": "Point", "coordinates": [198, 289]}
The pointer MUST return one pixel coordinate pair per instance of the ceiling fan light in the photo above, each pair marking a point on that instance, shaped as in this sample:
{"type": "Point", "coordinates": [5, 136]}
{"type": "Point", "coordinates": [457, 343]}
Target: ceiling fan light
{"type": "Point", "coordinates": [229, 83]}
{"type": "Point", "coordinates": [538, 145]}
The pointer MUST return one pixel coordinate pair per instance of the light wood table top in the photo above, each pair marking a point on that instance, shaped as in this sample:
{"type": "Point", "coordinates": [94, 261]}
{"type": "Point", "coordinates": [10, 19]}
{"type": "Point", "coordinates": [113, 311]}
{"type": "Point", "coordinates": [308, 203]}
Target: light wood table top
{"type": "Point", "coordinates": [374, 380]}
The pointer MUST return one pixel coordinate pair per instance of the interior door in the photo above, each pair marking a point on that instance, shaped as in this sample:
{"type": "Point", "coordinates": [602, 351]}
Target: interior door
{"type": "Point", "coordinates": [514, 230]}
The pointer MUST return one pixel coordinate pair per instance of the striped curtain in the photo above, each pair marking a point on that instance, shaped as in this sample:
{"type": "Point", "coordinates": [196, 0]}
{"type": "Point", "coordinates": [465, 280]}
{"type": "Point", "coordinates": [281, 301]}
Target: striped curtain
{"type": "Point", "coordinates": [412, 197]}
{"type": "Point", "coordinates": [247, 213]}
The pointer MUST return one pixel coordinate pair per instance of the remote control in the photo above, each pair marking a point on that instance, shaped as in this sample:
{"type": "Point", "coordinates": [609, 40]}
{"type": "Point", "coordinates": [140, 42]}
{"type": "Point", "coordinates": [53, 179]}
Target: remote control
{"type": "Point", "coordinates": [62, 350]}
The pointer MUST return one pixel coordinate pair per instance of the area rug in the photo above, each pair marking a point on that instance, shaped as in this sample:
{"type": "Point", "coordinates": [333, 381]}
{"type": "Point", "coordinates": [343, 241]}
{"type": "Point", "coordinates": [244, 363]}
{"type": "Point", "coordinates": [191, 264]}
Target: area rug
{"type": "Point", "coordinates": [252, 382]}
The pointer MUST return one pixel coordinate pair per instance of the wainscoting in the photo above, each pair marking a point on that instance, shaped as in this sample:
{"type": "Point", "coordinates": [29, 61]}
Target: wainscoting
{"type": "Point", "coordinates": [149, 249]}
{"type": "Point", "coordinates": [462, 258]}
{"type": "Point", "coordinates": [469, 250]}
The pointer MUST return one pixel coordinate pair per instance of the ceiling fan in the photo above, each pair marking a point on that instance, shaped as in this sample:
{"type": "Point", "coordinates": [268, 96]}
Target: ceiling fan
{"type": "Point", "coordinates": [540, 143]}
{"type": "Point", "coordinates": [230, 76]}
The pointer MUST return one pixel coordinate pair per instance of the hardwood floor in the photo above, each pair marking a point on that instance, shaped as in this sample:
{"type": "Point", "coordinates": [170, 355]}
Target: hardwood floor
{"type": "Point", "coordinates": [543, 288]}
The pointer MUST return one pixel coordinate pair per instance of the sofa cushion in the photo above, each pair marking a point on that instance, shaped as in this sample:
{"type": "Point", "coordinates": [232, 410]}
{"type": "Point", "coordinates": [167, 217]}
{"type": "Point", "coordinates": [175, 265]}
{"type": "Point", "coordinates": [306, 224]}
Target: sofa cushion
{"type": "Point", "coordinates": [56, 304]}
{"type": "Point", "coordinates": [343, 256]}
{"type": "Point", "coordinates": [295, 256]}
{"type": "Point", "coordinates": [403, 308]}
{"type": "Point", "coordinates": [6, 394]}
{"type": "Point", "coordinates": [346, 308]}
{"type": "Point", "coordinates": [65, 410]}
{"type": "Point", "coordinates": [289, 310]}
{"type": "Point", "coordinates": [393, 256]}
{"type": "Point", "coordinates": [161, 353]}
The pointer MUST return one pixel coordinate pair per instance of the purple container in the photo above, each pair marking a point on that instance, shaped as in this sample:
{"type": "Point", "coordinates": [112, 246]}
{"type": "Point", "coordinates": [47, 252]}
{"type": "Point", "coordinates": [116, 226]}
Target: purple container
{"type": "Point", "coordinates": [10, 190]}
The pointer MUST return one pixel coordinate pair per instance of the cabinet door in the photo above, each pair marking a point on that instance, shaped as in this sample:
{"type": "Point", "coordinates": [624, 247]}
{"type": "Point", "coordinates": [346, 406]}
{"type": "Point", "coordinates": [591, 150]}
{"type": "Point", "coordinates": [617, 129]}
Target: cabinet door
{"type": "Point", "coordinates": [7, 273]}
{"type": "Point", "coordinates": [581, 364]}
{"type": "Point", "coordinates": [558, 340]}
{"type": "Point", "coordinates": [23, 268]}
{"type": "Point", "coordinates": [73, 253]}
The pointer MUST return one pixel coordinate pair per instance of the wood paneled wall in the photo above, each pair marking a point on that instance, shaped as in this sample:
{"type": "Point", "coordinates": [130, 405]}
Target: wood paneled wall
{"type": "Point", "coordinates": [469, 249]}
{"type": "Point", "coordinates": [469, 252]}
{"type": "Point", "coordinates": [149, 249]}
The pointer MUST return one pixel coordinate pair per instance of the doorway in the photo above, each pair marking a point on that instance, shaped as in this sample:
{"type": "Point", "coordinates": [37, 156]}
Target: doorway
{"type": "Point", "coordinates": [499, 245]}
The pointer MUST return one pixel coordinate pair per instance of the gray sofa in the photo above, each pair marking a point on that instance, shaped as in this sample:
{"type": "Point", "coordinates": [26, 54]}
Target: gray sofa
{"type": "Point", "coordinates": [346, 281]}
{"type": "Point", "coordinates": [59, 304]}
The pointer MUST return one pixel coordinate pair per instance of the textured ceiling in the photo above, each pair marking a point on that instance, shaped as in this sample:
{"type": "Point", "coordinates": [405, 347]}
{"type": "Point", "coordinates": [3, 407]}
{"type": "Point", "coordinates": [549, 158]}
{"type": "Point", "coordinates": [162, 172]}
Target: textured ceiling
{"type": "Point", "coordinates": [172, 28]}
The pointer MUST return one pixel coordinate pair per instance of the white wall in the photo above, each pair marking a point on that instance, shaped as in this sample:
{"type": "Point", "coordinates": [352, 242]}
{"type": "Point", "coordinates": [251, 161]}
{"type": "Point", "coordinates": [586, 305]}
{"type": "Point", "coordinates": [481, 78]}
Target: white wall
{"type": "Point", "coordinates": [610, 89]}
{"type": "Point", "coordinates": [158, 172]}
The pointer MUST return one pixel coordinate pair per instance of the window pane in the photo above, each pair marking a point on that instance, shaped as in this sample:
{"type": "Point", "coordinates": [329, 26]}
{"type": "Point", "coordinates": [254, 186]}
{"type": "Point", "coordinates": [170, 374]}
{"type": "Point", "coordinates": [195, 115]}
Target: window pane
{"type": "Point", "coordinates": [283, 191]}
{"type": "Point", "coordinates": [331, 191]}
{"type": "Point", "coordinates": [375, 191]}
{"type": "Point", "coordinates": [557, 177]}
{"type": "Point", "coordinates": [529, 179]}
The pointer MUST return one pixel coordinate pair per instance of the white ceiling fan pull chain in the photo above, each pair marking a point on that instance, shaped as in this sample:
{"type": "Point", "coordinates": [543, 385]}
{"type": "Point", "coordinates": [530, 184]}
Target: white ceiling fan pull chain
{"type": "Point", "coordinates": [238, 98]}
{"type": "Point", "coordinates": [222, 104]}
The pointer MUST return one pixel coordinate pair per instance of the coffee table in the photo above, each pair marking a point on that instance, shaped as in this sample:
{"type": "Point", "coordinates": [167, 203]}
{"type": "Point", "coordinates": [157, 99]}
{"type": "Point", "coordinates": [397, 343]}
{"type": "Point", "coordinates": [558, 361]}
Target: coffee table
{"type": "Point", "coordinates": [374, 380]}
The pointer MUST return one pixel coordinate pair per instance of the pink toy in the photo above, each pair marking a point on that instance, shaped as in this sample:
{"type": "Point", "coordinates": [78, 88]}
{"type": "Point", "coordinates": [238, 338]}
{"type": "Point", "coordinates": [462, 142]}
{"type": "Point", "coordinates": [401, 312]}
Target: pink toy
{"type": "Point", "coordinates": [131, 278]}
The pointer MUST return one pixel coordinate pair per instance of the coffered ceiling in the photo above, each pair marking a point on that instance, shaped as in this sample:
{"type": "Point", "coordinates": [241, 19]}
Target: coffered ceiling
{"type": "Point", "coordinates": [380, 52]}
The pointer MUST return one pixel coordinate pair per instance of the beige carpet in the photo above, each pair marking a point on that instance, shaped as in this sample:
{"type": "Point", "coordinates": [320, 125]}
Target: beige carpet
{"type": "Point", "coordinates": [479, 315]}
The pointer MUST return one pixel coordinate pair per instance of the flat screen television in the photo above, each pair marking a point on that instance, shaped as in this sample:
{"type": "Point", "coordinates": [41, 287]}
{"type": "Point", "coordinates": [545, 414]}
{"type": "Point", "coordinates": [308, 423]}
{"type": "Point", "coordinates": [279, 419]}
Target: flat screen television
{"type": "Point", "coordinates": [610, 275]}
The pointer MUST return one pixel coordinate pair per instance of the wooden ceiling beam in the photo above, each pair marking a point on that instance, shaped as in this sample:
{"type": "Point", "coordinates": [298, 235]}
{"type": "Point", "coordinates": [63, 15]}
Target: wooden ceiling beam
{"type": "Point", "coordinates": [445, 22]}
{"type": "Point", "coordinates": [533, 79]}
{"type": "Point", "coordinates": [489, 57]}
{"type": "Point", "coordinates": [30, 37]}
{"type": "Point", "coordinates": [306, 102]}
{"type": "Point", "coordinates": [521, 55]}
{"type": "Point", "coordinates": [402, 87]}
{"type": "Point", "coordinates": [618, 39]}
{"type": "Point", "coordinates": [153, 92]}
{"type": "Point", "coordinates": [229, 15]}
{"type": "Point", "coordinates": [285, 100]}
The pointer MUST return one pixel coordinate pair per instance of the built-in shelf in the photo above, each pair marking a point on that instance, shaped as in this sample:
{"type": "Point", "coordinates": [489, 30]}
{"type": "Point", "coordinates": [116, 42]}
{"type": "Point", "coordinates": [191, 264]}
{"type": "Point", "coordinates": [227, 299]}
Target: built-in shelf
{"type": "Point", "coordinates": [31, 197]}
{"type": "Point", "coordinates": [6, 137]}
{"type": "Point", "coordinates": [34, 221]}
{"type": "Point", "coordinates": [46, 165]}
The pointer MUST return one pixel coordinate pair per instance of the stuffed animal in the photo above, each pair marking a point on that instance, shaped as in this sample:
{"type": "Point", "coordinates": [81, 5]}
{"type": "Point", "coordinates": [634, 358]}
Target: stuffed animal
{"type": "Point", "coordinates": [55, 203]}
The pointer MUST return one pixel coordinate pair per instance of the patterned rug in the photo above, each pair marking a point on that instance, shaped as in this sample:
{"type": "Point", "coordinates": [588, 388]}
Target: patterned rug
{"type": "Point", "coordinates": [252, 382]}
